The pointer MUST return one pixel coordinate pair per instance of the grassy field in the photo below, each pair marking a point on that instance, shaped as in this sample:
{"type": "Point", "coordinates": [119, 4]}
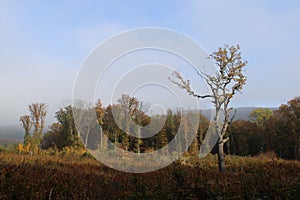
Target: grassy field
{"type": "Point", "coordinates": [81, 177]}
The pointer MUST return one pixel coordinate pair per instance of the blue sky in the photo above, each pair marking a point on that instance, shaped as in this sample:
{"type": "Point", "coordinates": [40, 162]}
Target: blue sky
{"type": "Point", "coordinates": [43, 44]}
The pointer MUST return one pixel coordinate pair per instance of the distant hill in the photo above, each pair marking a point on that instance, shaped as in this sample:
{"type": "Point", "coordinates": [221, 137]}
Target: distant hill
{"type": "Point", "coordinates": [11, 132]}
{"type": "Point", "coordinates": [14, 132]}
{"type": "Point", "coordinates": [242, 113]}
{"type": "Point", "coordinates": [6, 143]}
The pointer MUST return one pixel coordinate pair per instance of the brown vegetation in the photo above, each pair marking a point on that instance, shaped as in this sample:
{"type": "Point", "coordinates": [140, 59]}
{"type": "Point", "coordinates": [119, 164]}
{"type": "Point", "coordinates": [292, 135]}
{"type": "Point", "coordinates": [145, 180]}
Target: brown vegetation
{"type": "Point", "coordinates": [70, 176]}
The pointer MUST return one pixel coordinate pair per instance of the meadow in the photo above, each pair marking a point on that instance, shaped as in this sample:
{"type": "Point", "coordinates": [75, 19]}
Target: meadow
{"type": "Point", "coordinates": [79, 176]}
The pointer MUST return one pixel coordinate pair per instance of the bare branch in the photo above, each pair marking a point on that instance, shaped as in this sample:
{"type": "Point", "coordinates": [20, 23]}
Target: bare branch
{"type": "Point", "coordinates": [186, 85]}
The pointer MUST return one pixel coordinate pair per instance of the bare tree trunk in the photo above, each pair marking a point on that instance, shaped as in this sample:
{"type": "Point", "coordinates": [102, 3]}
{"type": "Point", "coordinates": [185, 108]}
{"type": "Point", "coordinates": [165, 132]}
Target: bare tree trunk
{"type": "Point", "coordinates": [138, 148]}
{"type": "Point", "coordinates": [86, 140]}
{"type": "Point", "coordinates": [221, 159]}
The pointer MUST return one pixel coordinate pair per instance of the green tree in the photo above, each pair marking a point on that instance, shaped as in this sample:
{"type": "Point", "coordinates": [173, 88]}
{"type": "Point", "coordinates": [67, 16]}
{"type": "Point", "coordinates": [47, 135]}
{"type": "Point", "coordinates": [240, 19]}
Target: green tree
{"type": "Point", "coordinates": [54, 137]}
{"type": "Point", "coordinates": [68, 131]}
{"type": "Point", "coordinates": [62, 133]}
{"type": "Point", "coordinates": [261, 116]}
{"type": "Point", "coordinates": [110, 127]}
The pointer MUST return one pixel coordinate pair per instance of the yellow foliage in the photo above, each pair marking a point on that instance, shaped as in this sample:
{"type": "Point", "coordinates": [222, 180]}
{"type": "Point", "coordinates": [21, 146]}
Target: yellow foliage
{"type": "Point", "coordinates": [27, 148]}
{"type": "Point", "coordinates": [81, 151]}
{"type": "Point", "coordinates": [20, 147]}
{"type": "Point", "coordinates": [73, 150]}
{"type": "Point", "coordinates": [67, 150]}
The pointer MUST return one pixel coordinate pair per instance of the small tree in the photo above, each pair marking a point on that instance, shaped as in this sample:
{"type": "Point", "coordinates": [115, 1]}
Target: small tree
{"type": "Point", "coordinates": [224, 84]}
{"type": "Point", "coordinates": [26, 124]}
{"type": "Point", "coordinates": [20, 148]}
{"type": "Point", "coordinates": [67, 129]}
{"type": "Point", "coordinates": [38, 112]}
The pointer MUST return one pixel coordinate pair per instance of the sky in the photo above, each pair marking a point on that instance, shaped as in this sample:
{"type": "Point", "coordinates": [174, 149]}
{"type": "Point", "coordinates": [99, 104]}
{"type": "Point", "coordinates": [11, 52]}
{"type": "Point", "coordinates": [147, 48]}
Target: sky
{"type": "Point", "coordinates": [44, 43]}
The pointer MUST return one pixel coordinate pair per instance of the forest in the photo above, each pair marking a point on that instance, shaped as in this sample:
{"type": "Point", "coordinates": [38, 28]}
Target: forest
{"type": "Point", "coordinates": [268, 131]}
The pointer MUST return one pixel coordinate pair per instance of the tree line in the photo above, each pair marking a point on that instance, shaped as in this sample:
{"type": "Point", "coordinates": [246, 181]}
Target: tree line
{"type": "Point", "coordinates": [277, 131]}
{"type": "Point", "coordinates": [63, 132]}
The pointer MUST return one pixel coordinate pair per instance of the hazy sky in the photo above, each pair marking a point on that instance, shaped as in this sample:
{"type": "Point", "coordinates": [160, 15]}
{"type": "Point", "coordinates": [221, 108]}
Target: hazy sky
{"type": "Point", "coordinates": [43, 44]}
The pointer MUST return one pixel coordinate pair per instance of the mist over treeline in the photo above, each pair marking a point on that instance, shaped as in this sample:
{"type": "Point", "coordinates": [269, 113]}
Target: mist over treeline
{"type": "Point", "coordinates": [266, 130]}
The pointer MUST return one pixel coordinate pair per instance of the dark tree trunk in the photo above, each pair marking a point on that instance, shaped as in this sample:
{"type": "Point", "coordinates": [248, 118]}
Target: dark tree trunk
{"type": "Point", "coordinates": [221, 159]}
{"type": "Point", "coordinates": [228, 147]}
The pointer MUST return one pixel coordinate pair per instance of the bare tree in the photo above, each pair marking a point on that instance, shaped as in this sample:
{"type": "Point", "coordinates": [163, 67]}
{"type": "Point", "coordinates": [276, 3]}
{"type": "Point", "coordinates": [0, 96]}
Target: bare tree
{"type": "Point", "coordinates": [224, 84]}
